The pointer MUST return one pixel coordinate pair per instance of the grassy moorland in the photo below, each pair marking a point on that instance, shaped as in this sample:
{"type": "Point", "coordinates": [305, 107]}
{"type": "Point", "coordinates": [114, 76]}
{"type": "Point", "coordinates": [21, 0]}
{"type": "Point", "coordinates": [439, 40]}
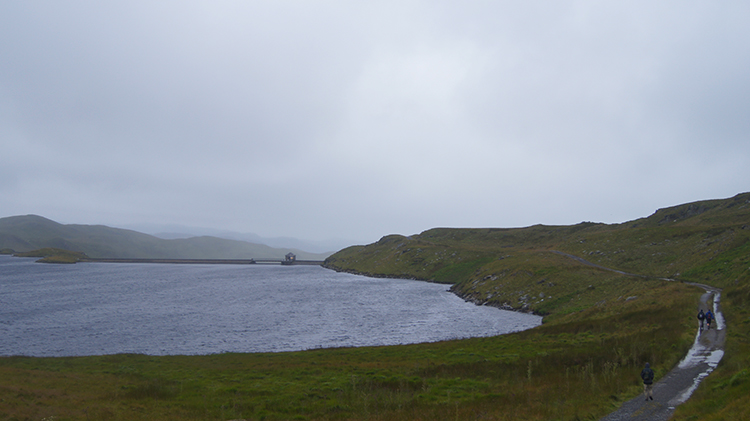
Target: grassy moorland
{"type": "Point", "coordinates": [600, 328]}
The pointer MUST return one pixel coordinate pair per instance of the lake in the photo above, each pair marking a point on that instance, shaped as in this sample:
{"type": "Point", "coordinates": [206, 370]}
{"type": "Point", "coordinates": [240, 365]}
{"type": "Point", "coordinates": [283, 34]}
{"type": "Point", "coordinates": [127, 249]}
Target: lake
{"type": "Point", "coordinates": [180, 309]}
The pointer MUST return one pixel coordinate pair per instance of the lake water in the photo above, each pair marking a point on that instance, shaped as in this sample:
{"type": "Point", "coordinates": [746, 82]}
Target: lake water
{"type": "Point", "coordinates": [169, 309]}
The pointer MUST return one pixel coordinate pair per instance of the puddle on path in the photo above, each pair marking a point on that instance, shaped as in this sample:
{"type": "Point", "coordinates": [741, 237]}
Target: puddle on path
{"type": "Point", "coordinates": [701, 354]}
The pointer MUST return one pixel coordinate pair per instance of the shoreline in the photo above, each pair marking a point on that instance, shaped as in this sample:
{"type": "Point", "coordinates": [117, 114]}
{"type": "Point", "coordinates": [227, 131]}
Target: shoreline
{"type": "Point", "coordinates": [451, 290]}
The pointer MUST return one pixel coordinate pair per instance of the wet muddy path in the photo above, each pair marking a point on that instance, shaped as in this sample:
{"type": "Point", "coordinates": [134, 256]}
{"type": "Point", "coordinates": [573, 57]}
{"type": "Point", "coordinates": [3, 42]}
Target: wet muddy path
{"type": "Point", "coordinates": [679, 384]}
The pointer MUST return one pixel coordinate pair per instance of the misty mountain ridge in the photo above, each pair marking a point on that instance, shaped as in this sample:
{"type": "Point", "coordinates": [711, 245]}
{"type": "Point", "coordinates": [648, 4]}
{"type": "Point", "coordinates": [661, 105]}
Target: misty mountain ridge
{"type": "Point", "coordinates": [175, 231]}
{"type": "Point", "coordinates": [31, 232]}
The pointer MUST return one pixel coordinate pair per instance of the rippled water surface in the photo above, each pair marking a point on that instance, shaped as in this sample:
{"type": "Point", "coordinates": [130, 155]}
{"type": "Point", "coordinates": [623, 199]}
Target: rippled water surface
{"type": "Point", "coordinates": [161, 309]}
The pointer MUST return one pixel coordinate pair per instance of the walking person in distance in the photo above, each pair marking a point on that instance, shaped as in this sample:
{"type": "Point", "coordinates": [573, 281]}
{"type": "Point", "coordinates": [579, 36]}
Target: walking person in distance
{"type": "Point", "coordinates": [647, 374]}
{"type": "Point", "coordinates": [709, 319]}
{"type": "Point", "coordinates": [701, 317]}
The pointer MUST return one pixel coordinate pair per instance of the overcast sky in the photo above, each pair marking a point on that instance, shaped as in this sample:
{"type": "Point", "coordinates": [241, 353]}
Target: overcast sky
{"type": "Point", "coordinates": [356, 120]}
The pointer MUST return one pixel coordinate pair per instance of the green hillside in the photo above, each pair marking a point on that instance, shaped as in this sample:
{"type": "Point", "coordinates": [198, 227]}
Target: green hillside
{"type": "Point", "coordinates": [31, 232]}
{"type": "Point", "coordinates": [704, 242]}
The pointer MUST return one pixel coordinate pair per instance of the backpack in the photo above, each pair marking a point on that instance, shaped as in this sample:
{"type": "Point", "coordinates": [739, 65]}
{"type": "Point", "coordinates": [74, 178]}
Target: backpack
{"type": "Point", "coordinates": [647, 375]}
{"type": "Point", "coordinates": [701, 316]}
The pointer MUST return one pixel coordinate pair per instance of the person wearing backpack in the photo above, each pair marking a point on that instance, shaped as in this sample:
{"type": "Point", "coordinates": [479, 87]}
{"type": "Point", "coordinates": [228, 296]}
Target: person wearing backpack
{"type": "Point", "coordinates": [701, 317]}
{"type": "Point", "coordinates": [709, 319]}
{"type": "Point", "coordinates": [647, 374]}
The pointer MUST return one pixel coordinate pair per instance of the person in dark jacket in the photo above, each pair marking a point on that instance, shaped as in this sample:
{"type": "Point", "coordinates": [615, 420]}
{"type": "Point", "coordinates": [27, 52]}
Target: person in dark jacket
{"type": "Point", "coordinates": [709, 319]}
{"type": "Point", "coordinates": [647, 374]}
{"type": "Point", "coordinates": [701, 317]}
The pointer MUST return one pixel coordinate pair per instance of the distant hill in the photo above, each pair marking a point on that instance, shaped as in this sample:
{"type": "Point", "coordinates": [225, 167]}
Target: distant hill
{"type": "Point", "coordinates": [706, 241]}
{"type": "Point", "coordinates": [32, 232]}
{"type": "Point", "coordinates": [173, 231]}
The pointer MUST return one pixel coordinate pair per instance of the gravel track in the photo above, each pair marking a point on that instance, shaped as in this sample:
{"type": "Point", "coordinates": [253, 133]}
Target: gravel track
{"type": "Point", "coordinates": [678, 385]}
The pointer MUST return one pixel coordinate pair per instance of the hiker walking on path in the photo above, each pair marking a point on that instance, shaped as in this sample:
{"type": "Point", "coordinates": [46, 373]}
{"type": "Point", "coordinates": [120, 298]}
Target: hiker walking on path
{"type": "Point", "coordinates": [676, 386]}
{"type": "Point", "coordinates": [647, 374]}
{"type": "Point", "coordinates": [709, 319]}
{"type": "Point", "coordinates": [701, 317]}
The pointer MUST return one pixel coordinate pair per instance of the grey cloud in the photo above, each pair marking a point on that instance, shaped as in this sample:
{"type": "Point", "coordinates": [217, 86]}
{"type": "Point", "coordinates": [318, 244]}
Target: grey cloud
{"type": "Point", "coordinates": [333, 119]}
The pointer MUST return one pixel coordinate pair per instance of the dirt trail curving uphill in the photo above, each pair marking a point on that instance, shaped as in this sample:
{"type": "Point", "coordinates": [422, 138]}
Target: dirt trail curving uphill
{"type": "Point", "coordinates": [679, 384]}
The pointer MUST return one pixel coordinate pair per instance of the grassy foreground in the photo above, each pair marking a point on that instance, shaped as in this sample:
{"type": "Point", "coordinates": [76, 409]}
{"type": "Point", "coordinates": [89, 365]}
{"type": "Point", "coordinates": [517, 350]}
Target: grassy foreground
{"type": "Point", "coordinates": [600, 328]}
